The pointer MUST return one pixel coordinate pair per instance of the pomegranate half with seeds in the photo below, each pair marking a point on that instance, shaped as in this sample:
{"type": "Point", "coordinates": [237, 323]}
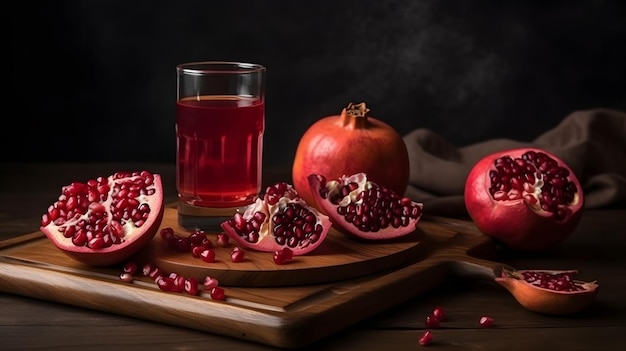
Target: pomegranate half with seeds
{"type": "Point", "coordinates": [549, 291]}
{"type": "Point", "coordinates": [526, 198]}
{"type": "Point", "coordinates": [281, 219]}
{"type": "Point", "coordinates": [106, 220]}
{"type": "Point", "coordinates": [363, 209]}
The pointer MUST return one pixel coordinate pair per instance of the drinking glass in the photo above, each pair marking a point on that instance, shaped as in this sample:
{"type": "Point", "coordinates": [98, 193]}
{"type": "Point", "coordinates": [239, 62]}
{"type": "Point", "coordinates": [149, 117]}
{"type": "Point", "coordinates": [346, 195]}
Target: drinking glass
{"type": "Point", "coordinates": [220, 120]}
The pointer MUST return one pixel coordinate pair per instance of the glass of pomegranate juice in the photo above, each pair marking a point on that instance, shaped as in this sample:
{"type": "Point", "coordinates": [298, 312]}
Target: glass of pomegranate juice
{"type": "Point", "coordinates": [220, 120]}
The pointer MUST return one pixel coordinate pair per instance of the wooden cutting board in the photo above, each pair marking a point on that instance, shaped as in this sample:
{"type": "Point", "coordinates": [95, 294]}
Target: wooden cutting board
{"type": "Point", "coordinates": [287, 306]}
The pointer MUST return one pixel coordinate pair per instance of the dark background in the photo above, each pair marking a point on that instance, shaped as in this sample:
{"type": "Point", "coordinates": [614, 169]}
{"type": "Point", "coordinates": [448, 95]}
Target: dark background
{"type": "Point", "coordinates": [95, 80]}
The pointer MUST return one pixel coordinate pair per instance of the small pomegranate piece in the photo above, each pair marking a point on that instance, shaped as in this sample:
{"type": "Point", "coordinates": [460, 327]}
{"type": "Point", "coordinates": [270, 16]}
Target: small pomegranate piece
{"type": "Point", "coordinates": [237, 255]}
{"type": "Point", "coordinates": [549, 292]}
{"type": "Point", "coordinates": [527, 199]}
{"type": "Point", "coordinates": [431, 322]}
{"type": "Point", "coordinates": [126, 277]}
{"type": "Point", "coordinates": [166, 284]}
{"type": "Point", "coordinates": [106, 220]}
{"type": "Point", "coordinates": [130, 268]}
{"type": "Point", "coordinates": [147, 268]}
{"type": "Point", "coordinates": [217, 293]}
{"type": "Point", "coordinates": [361, 208]}
{"type": "Point", "coordinates": [485, 321]}
{"type": "Point", "coordinates": [439, 312]}
{"type": "Point", "coordinates": [222, 239]}
{"type": "Point", "coordinates": [280, 220]}
{"type": "Point", "coordinates": [191, 286]}
{"type": "Point", "coordinates": [283, 256]}
{"type": "Point", "coordinates": [155, 273]}
{"type": "Point", "coordinates": [210, 283]}
{"type": "Point", "coordinates": [426, 338]}
{"type": "Point", "coordinates": [208, 255]}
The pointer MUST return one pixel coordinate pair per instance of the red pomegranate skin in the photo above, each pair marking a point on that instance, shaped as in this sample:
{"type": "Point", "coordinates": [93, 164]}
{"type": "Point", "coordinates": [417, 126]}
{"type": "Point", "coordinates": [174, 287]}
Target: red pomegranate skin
{"type": "Point", "coordinates": [517, 224]}
{"type": "Point", "coordinates": [351, 143]}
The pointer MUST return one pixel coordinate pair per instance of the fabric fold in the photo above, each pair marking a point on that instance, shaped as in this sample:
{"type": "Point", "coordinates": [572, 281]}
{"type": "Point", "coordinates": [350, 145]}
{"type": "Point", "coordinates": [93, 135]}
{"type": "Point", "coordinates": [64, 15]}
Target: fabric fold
{"type": "Point", "coordinates": [592, 142]}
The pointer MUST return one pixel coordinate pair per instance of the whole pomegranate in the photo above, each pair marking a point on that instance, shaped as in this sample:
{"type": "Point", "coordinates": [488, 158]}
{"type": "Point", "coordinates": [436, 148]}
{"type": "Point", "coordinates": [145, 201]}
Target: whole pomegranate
{"type": "Point", "coordinates": [526, 198]}
{"type": "Point", "coordinates": [281, 219]}
{"type": "Point", "coordinates": [361, 208]}
{"type": "Point", "coordinates": [549, 291]}
{"type": "Point", "coordinates": [106, 220]}
{"type": "Point", "coordinates": [350, 143]}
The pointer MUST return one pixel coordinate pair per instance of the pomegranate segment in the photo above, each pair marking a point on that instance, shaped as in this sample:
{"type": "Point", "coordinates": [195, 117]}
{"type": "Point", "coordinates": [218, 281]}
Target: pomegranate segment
{"type": "Point", "coordinates": [106, 220]}
{"type": "Point", "coordinates": [526, 198]}
{"type": "Point", "coordinates": [549, 292]}
{"type": "Point", "coordinates": [280, 220]}
{"type": "Point", "coordinates": [362, 208]}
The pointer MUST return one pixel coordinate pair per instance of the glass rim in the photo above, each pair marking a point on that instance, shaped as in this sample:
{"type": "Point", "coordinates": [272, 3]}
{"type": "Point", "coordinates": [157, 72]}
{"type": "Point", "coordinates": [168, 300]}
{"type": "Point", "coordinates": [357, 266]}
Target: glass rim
{"type": "Point", "coordinates": [217, 67]}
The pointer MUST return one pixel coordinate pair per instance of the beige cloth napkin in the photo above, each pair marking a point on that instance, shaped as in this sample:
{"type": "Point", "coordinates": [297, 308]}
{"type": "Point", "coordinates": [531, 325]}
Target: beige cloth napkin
{"type": "Point", "coordinates": [591, 142]}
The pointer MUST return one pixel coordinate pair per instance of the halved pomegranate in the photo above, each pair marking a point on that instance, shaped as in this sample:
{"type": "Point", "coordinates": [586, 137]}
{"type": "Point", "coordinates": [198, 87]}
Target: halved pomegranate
{"type": "Point", "coordinates": [281, 219]}
{"type": "Point", "coordinates": [364, 209]}
{"type": "Point", "coordinates": [106, 220]}
{"type": "Point", "coordinates": [526, 198]}
{"type": "Point", "coordinates": [549, 292]}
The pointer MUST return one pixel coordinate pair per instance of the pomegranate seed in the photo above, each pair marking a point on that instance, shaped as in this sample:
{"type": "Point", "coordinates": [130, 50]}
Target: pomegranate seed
{"type": "Point", "coordinates": [283, 256]}
{"type": "Point", "coordinates": [197, 237]}
{"type": "Point", "coordinates": [439, 313]}
{"type": "Point", "coordinates": [197, 250]}
{"type": "Point", "coordinates": [191, 286]}
{"type": "Point", "coordinates": [210, 283]}
{"type": "Point", "coordinates": [126, 277]}
{"type": "Point", "coordinates": [426, 338]}
{"type": "Point", "coordinates": [222, 239]}
{"type": "Point", "coordinates": [432, 322]}
{"type": "Point", "coordinates": [130, 267]}
{"type": "Point", "coordinates": [217, 293]}
{"type": "Point", "coordinates": [167, 234]}
{"type": "Point", "coordinates": [179, 283]}
{"type": "Point", "coordinates": [208, 255]}
{"type": "Point", "coordinates": [485, 321]}
{"type": "Point", "coordinates": [237, 254]}
{"type": "Point", "coordinates": [156, 273]}
{"type": "Point", "coordinates": [166, 284]}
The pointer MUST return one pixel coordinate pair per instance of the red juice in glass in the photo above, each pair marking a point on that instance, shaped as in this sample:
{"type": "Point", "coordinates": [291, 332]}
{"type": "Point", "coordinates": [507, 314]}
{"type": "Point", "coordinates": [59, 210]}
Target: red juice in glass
{"type": "Point", "coordinates": [219, 150]}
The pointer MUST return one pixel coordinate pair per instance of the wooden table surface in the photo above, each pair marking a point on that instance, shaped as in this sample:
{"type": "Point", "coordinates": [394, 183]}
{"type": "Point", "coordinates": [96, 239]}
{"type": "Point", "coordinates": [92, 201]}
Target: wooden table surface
{"type": "Point", "coordinates": [596, 250]}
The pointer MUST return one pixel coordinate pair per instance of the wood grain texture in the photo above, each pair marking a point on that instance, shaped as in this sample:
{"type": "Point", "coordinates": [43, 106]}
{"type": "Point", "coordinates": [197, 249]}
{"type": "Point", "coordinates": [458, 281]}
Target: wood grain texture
{"type": "Point", "coordinates": [378, 276]}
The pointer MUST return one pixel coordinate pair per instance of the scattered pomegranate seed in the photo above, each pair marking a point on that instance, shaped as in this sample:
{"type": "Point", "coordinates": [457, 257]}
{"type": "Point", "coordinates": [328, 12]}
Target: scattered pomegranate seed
{"type": "Point", "coordinates": [283, 256]}
{"type": "Point", "coordinates": [166, 284]}
{"type": "Point", "coordinates": [426, 338]}
{"type": "Point", "coordinates": [432, 322]}
{"type": "Point", "coordinates": [174, 282]}
{"type": "Point", "coordinates": [197, 250]}
{"type": "Point", "coordinates": [191, 286]}
{"type": "Point", "coordinates": [210, 283]}
{"type": "Point", "coordinates": [237, 254]}
{"type": "Point", "coordinates": [167, 234]}
{"type": "Point", "coordinates": [485, 321]}
{"type": "Point", "coordinates": [439, 313]}
{"type": "Point", "coordinates": [197, 237]}
{"type": "Point", "coordinates": [179, 283]}
{"type": "Point", "coordinates": [208, 255]}
{"type": "Point", "coordinates": [222, 239]}
{"type": "Point", "coordinates": [217, 293]}
{"type": "Point", "coordinates": [130, 268]}
{"type": "Point", "coordinates": [126, 277]}
{"type": "Point", "coordinates": [155, 273]}
{"type": "Point", "coordinates": [147, 268]}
